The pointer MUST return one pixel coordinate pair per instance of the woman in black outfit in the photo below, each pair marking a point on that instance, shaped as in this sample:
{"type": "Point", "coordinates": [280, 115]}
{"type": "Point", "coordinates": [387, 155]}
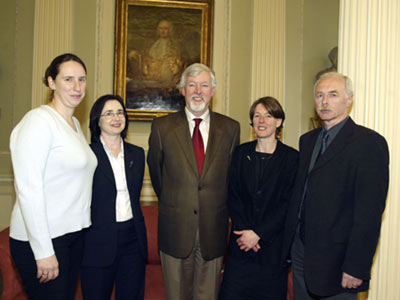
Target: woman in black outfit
{"type": "Point", "coordinates": [115, 248]}
{"type": "Point", "coordinates": [260, 185]}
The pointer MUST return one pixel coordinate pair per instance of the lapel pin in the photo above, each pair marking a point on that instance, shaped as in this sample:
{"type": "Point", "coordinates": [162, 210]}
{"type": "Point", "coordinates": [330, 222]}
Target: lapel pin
{"type": "Point", "coordinates": [248, 157]}
{"type": "Point", "coordinates": [130, 164]}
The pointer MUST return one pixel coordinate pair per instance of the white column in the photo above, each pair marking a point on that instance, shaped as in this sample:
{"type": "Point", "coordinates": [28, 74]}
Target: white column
{"type": "Point", "coordinates": [104, 52]}
{"type": "Point", "coordinates": [52, 36]}
{"type": "Point", "coordinates": [268, 55]}
{"type": "Point", "coordinates": [221, 54]}
{"type": "Point", "coordinates": [369, 53]}
{"type": "Point", "coordinates": [268, 63]}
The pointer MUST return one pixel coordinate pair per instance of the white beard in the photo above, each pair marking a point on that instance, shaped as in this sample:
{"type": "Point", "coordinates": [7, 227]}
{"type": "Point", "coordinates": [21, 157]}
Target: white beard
{"type": "Point", "coordinates": [197, 107]}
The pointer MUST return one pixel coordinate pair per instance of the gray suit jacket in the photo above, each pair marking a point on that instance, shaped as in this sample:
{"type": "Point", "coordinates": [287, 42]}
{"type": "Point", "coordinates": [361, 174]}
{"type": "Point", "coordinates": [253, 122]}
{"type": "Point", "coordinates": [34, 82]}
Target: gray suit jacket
{"type": "Point", "coordinates": [187, 201]}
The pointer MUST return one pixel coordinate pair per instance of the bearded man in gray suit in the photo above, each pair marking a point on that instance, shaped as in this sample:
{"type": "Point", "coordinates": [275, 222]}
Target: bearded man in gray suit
{"type": "Point", "coordinates": [188, 161]}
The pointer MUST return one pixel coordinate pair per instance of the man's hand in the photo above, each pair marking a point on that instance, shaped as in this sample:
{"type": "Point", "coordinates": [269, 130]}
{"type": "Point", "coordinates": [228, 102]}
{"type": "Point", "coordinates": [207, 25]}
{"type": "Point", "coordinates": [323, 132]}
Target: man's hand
{"type": "Point", "coordinates": [350, 282]}
{"type": "Point", "coordinates": [248, 240]}
{"type": "Point", "coordinates": [47, 269]}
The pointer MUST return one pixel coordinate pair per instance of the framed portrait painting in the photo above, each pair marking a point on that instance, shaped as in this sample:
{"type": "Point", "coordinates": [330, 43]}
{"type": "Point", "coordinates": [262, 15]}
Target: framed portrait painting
{"type": "Point", "coordinates": [155, 40]}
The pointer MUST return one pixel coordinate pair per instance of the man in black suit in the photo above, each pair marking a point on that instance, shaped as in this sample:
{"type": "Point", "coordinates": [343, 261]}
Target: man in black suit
{"type": "Point", "coordinates": [334, 218]}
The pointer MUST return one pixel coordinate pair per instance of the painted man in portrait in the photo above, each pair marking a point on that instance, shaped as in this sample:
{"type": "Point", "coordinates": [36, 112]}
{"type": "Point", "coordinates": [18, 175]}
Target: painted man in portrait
{"type": "Point", "coordinates": [163, 62]}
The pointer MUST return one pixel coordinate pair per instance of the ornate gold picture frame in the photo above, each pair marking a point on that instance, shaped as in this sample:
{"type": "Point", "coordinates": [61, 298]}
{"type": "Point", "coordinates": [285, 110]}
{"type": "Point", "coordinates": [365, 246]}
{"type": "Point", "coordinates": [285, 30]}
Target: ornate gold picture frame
{"type": "Point", "coordinates": [155, 40]}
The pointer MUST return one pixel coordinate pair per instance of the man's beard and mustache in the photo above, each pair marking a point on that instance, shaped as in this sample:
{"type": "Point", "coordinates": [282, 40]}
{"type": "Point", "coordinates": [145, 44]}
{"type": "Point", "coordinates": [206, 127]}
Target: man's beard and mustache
{"type": "Point", "coordinates": [197, 106]}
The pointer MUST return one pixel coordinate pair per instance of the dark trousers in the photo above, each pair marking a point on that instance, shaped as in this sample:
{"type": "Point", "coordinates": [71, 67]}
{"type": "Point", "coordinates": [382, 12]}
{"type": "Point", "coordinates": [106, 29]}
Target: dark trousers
{"type": "Point", "coordinates": [249, 280]}
{"type": "Point", "coordinates": [127, 271]}
{"type": "Point", "coordinates": [68, 250]}
{"type": "Point", "coordinates": [300, 288]}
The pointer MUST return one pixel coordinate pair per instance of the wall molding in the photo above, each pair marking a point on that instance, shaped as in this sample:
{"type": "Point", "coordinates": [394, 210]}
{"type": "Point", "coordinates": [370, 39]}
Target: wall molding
{"type": "Point", "coordinates": [7, 199]}
{"type": "Point", "coordinates": [6, 180]}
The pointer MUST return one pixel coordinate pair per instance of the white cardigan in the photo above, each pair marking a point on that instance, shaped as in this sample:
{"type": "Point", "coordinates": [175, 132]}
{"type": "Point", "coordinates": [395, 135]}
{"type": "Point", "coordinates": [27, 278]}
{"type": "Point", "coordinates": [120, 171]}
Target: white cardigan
{"type": "Point", "coordinates": [53, 169]}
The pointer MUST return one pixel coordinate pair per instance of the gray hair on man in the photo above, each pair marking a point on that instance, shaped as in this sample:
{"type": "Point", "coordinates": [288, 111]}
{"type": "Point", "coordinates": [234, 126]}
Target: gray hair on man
{"type": "Point", "coordinates": [194, 70]}
{"type": "Point", "coordinates": [347, 80]}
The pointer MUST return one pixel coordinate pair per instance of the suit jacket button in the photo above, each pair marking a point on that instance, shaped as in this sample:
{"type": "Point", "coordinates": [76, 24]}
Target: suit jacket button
{"type": "Point", "coordinates": [195, 212]}
{"type": "Point", "coordinates": [199, 188]}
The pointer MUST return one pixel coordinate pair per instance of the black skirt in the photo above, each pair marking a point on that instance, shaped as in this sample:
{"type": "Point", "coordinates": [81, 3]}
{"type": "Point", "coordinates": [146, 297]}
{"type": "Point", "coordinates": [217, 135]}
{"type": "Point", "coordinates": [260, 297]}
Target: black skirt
{"type": "Point", "coordinates": [249, 280]}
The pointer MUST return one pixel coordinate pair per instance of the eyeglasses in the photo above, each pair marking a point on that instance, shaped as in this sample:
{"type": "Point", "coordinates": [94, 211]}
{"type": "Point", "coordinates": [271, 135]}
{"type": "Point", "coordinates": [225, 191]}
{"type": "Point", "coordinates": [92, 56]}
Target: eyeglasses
{"type": "Point", "coordinates": [110, 114]}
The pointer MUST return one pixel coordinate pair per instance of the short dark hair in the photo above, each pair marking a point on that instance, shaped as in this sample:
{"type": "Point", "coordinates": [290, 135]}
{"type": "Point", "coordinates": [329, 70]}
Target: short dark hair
{"type": "Point", "coordinates": [54, 68]}
{"type": "Point", "coordinates": [273, 107]}
{"type": "Point", "coordinates": [95, 114]}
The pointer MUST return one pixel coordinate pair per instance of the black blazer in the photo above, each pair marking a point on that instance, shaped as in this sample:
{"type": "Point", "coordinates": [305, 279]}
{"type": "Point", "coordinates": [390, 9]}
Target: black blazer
{"type": "Point", "coordinates": [263, 207]}
{"type": "Point", "coordinates": [101, 238]}
{"type": "Point", "coordinates": [346, 195]}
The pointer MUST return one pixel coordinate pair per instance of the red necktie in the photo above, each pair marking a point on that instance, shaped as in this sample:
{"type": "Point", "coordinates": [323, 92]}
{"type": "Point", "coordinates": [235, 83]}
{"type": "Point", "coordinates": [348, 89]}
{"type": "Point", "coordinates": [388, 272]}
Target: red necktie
{"type": "Point", "coordinates": [198, 144]}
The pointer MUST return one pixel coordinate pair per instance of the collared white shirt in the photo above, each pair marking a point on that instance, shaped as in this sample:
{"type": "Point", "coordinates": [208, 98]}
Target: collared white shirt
{"type": "Point", "coordinates": [123, 209]}
{"type": "Point", "coordinates": [204, 125]}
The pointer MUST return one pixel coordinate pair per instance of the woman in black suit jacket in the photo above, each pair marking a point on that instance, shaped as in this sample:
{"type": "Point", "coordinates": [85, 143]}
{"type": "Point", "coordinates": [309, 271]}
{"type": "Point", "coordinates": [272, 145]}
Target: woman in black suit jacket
{"type": "Point", "coordinates": [115, 245]}
{"type": "Point", "coordinates": [260, 184]}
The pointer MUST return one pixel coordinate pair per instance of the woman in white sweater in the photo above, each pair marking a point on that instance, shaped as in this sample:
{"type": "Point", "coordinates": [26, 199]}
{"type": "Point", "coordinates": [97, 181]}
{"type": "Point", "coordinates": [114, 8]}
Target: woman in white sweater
{"type": "Point", "coordinates": [53, 168]}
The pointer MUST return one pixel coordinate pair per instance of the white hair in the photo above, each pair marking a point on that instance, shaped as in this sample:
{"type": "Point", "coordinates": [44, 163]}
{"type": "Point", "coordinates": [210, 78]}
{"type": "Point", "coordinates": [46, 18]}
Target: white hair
{"type": "Point", "coordinates": [194, 70]}
{"type": "Point", "coordinates": [347, 80]}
